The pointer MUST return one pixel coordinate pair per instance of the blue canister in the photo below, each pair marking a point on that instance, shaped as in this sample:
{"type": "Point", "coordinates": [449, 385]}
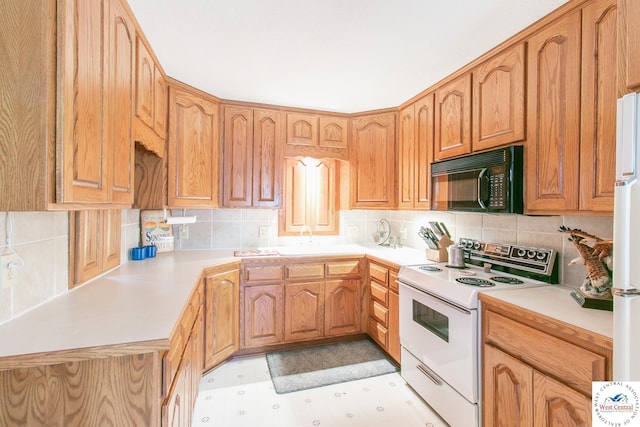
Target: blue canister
{"type": "Point", "coordinates": [138, 254]}
{"type": "Point", "coordinates": [150, 251]}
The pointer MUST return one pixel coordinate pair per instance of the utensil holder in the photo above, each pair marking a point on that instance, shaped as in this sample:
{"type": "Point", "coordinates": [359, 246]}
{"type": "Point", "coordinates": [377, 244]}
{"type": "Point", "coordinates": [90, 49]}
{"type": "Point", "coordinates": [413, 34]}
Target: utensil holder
{"type": "Point", "coordinates": [440, 254]}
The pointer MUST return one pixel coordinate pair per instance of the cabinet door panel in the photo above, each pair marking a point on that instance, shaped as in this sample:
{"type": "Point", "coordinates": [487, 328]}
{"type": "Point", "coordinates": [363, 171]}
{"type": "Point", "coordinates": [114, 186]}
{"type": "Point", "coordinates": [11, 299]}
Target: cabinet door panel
{"type": "Point", "coordinates": [324, 197]}
{"type": "Point", "coordinates": [119, 125]}
{"type": "Point", "coordinates": [303, 311]}
{"type": "Point", "coordinates": [159, 102]}
{"type": "Point", "coordinates": [192, 150]}
{"type": "Point", "coordinates": [238, 152]}
{"type": "Point", "coordinates": [83, 176]}
{"type": "Point", "coordinates": [145, 83]}
{"type": "Point", "coordinates": [373, 154]}
{"type": "Point", "coordinates": [507, 390]}
{"type": "Point", "coordinates": [453, 119]}
{"type": "Point", "coordinates": [302, 129]}
{"type": "Point", "coordinates": [630, 34]}
{"type": "Point", "coordinates": [267, 158]}
{"type": "Point", "coordinates": [553, 143]}
{"type": "Point", "coordinates": [342, 307]}
{"type": "Point", "coordinates": [112, 219]}
{"type": "Point", "coordinates": [598, 106]}
{"type": "Point", "coordinates": [263, 315]}
{"type": "Point", "coordinates": [498, 100]}
{"type": "Point", "coordinates": [557, 405]}
{"type": "Point", "coordinates": [424, 123]}
{"type": "Point", "coordinates": [406, 157]}
{"type": "Point", "coordinates": [88, 250]}
{"type": "Point", "coordinates": [222, 309]}
{"type": "Point", "coordinates": [333, 132]}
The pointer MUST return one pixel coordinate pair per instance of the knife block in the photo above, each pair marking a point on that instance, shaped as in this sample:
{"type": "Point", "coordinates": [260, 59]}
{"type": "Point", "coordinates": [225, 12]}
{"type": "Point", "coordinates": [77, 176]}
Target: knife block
{"type": "Point", "coordinates": [440, 254]}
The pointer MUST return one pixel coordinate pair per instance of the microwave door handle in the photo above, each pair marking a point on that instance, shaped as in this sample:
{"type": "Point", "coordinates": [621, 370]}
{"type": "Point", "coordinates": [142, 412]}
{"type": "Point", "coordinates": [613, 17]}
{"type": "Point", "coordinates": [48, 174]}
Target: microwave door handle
{"type": "Point", "coordinates": [480, 199]}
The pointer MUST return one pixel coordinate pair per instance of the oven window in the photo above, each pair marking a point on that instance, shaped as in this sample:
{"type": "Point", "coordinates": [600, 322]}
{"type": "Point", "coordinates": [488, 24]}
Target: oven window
{"type": "Point", "coordinates": [432, 320]}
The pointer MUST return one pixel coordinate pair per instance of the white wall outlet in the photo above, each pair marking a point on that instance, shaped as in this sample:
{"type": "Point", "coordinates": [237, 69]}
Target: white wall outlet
{"type": "Point", "coordinates": [352, 231]}
{"type": "Point", "coordinates": [183, 232]}
{"type": "Point", "coordinates": [8, 273]}
{"type": "Point", "coordinates": [403, 234]}
{"type": "Point", "coordinates": [263, 231]}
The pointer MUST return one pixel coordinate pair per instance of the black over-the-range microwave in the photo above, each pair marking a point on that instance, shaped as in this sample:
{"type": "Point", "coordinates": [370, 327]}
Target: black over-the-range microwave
{"type": "Point", "coordinates": [490, 181]}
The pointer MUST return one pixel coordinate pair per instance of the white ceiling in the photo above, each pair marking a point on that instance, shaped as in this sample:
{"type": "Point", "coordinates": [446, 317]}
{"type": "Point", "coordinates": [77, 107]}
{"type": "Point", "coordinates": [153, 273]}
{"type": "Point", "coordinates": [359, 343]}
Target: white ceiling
{"type": "Point", "coordinates": [334, 55]}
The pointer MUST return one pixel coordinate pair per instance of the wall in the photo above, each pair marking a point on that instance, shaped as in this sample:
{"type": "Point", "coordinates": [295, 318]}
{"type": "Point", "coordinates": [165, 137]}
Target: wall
{"type": "Point", "coordinates": [239, 228]}
{"type": "Point", "coordinates": [41, 239]}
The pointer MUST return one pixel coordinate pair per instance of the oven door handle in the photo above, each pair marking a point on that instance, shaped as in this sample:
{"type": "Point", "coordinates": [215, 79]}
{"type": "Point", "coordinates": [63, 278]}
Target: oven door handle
{"type": "Point", "coordinates": [480, 199]}
{"type": "Point", "coordinates": [429, 374]}
{"type": "Point", "coordinates": [447, 303]}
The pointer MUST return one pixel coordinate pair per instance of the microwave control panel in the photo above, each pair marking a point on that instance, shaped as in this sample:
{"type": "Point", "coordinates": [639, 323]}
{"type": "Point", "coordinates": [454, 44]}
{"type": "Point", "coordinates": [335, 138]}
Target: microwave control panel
{"type": "Point", "coordinates": [497, 190]}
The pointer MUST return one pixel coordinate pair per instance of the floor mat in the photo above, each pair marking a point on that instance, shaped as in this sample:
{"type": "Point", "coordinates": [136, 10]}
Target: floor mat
{"type": "Point", "coordinates": [305, 368]}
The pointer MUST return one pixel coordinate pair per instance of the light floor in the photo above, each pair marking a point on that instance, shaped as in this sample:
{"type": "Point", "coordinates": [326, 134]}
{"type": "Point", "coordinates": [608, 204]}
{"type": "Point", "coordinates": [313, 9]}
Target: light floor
{"type": "Point", "coordinates": [240, 393]}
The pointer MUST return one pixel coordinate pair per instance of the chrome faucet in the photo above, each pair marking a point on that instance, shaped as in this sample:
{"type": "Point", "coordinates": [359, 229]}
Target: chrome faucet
{"type": "Point", "coordinates": [310, 233]}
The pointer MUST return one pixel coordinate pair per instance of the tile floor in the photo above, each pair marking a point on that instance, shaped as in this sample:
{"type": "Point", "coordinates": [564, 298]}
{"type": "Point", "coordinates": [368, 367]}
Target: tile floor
{"type": "Point", "coordinates": [240, 393]}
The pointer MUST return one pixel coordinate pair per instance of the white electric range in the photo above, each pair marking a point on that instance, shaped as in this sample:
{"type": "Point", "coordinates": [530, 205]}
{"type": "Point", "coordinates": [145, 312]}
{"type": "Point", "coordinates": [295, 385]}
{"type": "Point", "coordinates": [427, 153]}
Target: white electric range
{"type": "Point", "coordinates": [439, 325]}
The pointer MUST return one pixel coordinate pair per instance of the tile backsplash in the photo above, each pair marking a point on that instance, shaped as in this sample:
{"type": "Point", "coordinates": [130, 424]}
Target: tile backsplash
{"type": "Point", "coordinates": [41, 239]}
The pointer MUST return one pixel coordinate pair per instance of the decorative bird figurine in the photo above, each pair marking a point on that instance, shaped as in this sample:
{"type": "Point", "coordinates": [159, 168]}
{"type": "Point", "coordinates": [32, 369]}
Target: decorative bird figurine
{"type": "Point", "coordinates": [596, 255]}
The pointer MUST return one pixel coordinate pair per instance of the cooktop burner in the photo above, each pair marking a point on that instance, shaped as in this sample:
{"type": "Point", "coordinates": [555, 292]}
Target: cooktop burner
{"type": "Point", "coordinates": [508, 280]}
{"type": "Point", "coordinates": [473, 281]}
{"type": "Point", "coordinates": [429, 268]}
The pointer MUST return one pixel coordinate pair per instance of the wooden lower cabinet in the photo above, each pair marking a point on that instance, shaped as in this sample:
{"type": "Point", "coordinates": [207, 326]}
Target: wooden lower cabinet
{"type": "Point", "coordinates": [305, 300]}
{"type": "Point", "coordinates": [342, 307]}
{"type": "Point", "coordinates": [384, 306]}
{"type": "Point", "coordinates": [263, 315]}
{"type": "Point", "coordinates": [222, 316]}
{"type": "Point", "coordinates": [303, 314]}
{"type": "Point", "coordinates": [537, 371]}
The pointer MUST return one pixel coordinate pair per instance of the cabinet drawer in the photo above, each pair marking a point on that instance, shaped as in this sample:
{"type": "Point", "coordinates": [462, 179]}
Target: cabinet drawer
{"type": "Point", "coordinates": [379, 292]}
{"type": "Point", "coordinates": [343, 268]}
{"type": "Point", "coordinates": [268, 273]}
{"type": "Point", "coordinates": [574, 365]}
{"type": "Point", "coordinates": [379, 273]}
{"type": "Point", "coordinates": [304, 271]}
{"type": "Point", "coordinates": [378, 333]}
{"type": "Point", "coordinates": [379, 312]}
{"type": "Point", "coordinates": [393, 280]}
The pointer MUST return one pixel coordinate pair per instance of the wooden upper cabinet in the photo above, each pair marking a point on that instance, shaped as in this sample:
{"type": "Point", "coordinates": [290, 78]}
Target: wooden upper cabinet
{"type": "Point", "coordinates": [333, 132]}
{"type": "Point", "coordinates": [424, 139]}
{"type": "Point", "coordinates": [453, 118]}
{"type": "Point", "coordinates": [311, 197]}
{"type": "Point", "coordinates": [598, 106]}
{"type": "Point", "coordinates": [252, 153]}
{"type": "Point", "coordinates": [120, 100]}
{"type": "Point", "coordinates": [415, 146]}
{"type": "Point", "coordinates": [572, 90]}
{"type": "Point", "coordinates": [499, 100]}
{"type": "Point", "coordinates": [267, 158]}
{"type": "Point", "coordinates": [151, 100]}
{"type": "Point", "coordinates": [237, 149]}
{"type": "Point", "coordinates": [302, 129]}
{"type": "Point", "coordinates": [97, 243]}
{"type": "Point", "coordinates": [84, 174]}
{"type": "Point", "coordinates": [373, 164]}
{"type": "Point", "coordinates": [406, 157]}
{"type": "Point", "coordinates": [553, 117]}
{"type": "Point", "coordinates": [316, 135]}
{"type": "Point", "coordinates": [193, 147]}
{"type": "Point", "coordinates": [629, 44]}
{"type": "Point", "coordinates": [144, 84]}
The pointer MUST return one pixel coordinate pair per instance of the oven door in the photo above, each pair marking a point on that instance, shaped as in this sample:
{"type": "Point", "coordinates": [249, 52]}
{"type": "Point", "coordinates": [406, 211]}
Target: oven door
{"type": "Point", "coordinates": [442, 336]}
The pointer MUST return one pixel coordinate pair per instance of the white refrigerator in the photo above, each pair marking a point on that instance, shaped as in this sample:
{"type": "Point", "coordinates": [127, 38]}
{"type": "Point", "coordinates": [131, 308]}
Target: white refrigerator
{"type": "Point", "coordinates": [626, 243]}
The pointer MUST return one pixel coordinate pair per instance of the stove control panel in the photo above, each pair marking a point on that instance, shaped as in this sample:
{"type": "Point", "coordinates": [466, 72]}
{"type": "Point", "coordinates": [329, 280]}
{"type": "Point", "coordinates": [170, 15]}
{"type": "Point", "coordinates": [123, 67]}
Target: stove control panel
{"type": "Point", "coordinates": [537, 261]}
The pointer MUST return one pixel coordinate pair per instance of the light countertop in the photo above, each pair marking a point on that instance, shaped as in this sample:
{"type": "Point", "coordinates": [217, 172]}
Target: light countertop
{"type": "Point", "coordinates": [556, 302]}
{"type": "Point", "coordinates": [138, 302]}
